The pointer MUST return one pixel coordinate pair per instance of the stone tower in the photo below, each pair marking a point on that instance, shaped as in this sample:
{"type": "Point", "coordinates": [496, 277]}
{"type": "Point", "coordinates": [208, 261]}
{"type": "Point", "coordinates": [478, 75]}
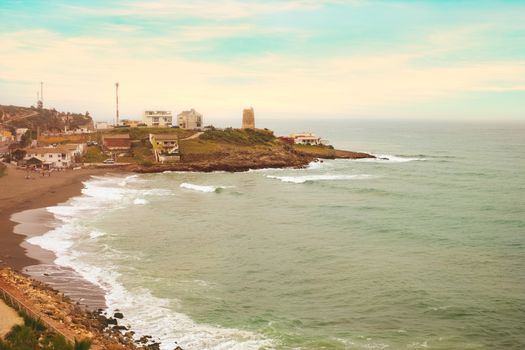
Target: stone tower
{"type": "Point", "coordinates": [248, 118]}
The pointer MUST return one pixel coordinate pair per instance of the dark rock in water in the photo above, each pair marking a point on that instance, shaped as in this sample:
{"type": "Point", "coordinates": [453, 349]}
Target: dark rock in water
{"type": "Point", "coordinates": [154, 346]}
{"type": "Point", "coordinates": [120, 328]}
{"type": "Point", "coordinates": [119, 315]}
{"type": "Point", "coordinates": [383, 158]}
{"type": "Point", "coordinates": [129, 334]}
{"type": "Point", "coordinates": [144, 339]}
{"type": "Point", "coordinates": [178, 348]}
{"type": "Point", "coordinates": [111, 320]}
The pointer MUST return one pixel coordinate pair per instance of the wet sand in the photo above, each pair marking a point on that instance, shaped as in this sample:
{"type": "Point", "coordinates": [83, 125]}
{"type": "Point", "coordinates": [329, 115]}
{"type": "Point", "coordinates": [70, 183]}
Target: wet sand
{"type": "Point", "coordinates": [23, 214]}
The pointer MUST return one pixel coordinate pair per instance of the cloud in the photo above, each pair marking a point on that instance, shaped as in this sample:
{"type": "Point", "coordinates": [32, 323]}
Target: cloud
{"type": "Point", "coordinates": [216, 10]}
{"type": "Point", "coordinates": [176, 69]}
{"type": "Point", "coordinates": [501, 88]}
{"type": "Point", "coordinates": [81, 72]}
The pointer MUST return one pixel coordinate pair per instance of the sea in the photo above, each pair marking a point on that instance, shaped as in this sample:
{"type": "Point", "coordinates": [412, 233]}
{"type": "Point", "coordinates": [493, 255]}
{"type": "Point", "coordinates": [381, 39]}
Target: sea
{"type": "Point", "coordinates": [420, 248]}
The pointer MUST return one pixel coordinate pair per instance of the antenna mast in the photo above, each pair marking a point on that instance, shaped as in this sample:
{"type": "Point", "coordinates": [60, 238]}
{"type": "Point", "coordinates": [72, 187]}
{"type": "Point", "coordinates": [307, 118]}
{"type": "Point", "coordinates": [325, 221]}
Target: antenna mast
{"type": "Point", "coordinates": [117, 116]}
{"type": "Point", "coordinates": [40, 97]}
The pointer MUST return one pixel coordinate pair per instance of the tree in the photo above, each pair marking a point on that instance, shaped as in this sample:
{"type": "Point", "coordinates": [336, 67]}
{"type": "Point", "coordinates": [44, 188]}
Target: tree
{"type": "Point", "coordinates": [19, 154]}
{"type": "Point", "coordinates": [25, 140]}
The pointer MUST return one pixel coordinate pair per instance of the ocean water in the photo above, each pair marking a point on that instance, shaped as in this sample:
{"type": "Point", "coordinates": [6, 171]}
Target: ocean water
{"type": "Point", "coordinates": [423, 250]}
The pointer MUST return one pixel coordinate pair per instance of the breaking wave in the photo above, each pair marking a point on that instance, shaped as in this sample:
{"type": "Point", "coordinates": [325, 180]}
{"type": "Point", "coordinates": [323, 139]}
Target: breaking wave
{"type": "Point", "coordinates": [145, 313]}
{"type": "Point", "coordinates": [202, 188]}
{"type": "Point", "coordinates": [312, 178]}
{"type": "Point", "coordinates": [385, 158]}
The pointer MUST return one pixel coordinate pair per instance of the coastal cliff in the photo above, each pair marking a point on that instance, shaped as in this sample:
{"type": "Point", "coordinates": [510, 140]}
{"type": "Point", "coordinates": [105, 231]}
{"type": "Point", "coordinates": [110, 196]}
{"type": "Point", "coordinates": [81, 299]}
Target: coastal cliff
{"type": "Point", "coordinates": [242, 150]}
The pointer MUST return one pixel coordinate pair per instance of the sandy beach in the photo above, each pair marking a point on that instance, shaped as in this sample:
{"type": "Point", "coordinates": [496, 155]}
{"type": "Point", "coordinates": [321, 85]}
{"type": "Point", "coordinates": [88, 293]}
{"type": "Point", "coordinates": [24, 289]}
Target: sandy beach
{"type": "Point", "coordinates": [18, 194]}
{"type": "Point", "coordinates": [22, 214]}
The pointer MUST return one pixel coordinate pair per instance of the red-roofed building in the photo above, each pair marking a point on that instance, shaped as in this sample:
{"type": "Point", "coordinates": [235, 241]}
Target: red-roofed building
{"type": "Point", "coordinates": [117, 142]}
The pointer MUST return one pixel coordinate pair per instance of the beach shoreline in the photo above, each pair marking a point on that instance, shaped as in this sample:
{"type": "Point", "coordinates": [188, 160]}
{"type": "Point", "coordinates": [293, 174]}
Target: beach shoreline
{"type": "Point", "coordinates": [18, 194]}
{"type": "Point", "coordinates": [23, 214]}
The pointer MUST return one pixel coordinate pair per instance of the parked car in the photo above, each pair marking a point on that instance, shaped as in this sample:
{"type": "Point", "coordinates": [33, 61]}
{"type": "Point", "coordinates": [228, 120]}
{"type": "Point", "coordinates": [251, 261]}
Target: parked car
{"type": "Point", "coordinates": [109, 161]}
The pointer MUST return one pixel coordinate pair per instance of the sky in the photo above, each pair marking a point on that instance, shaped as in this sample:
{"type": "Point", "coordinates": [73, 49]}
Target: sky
{"type": "Point", "coordinates": [296, 59]}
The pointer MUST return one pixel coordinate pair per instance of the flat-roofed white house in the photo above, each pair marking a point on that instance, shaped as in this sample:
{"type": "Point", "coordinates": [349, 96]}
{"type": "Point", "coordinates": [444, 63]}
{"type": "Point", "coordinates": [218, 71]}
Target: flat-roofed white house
{"type": "Point", "coordinates": [158, 119]}
{"type": "Point", "coordinates": [52, 157]}
{"type": "Point", "coordinates": [165, 147]}
{"type": "Point", "coordinates": [306, 138]}
{"type": "Point", "coordinates": [78, 149]}
{"type": "Point", "coordinates": [101, 126]}
{"type": "Point", "coordinates": [189, 120]}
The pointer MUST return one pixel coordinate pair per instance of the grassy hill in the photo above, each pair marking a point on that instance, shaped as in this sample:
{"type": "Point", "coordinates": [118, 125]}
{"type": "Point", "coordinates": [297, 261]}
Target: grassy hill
{"type": "Point", "coordinates": [243, 149]}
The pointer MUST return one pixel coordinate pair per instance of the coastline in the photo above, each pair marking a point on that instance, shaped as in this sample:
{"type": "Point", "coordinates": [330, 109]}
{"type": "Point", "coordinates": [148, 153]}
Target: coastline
{"type": "Point", "coordinates": [18, 194]}
{"type": "Point", "coordinates": [28, 272]}
{"type": "Point", "coordinates": [23, 215]}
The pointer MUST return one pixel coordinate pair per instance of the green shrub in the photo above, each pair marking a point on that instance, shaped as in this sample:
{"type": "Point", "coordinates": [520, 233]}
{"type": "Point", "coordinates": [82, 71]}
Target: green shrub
{"type": "Point", "coordinates": [33, 335]}
{"type": "Point", "coordinates": [239, 136]}
{"type": "Point", "coordinates": [93, 154]}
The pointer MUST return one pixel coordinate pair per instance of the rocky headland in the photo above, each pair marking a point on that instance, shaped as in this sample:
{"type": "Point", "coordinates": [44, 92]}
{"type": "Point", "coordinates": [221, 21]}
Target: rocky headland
{"type": "Point", "coordinates": [241, 150]}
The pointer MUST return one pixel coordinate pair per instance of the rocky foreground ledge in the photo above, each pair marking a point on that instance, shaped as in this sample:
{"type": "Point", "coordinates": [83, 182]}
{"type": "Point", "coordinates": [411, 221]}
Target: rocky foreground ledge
{"type": "Point", "coordinates": [68, 318]}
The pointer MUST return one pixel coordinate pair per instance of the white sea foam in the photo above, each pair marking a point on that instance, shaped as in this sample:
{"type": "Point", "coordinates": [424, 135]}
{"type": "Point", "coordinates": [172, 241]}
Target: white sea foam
{"type": "Point", "coordinates": [202, 188]}
{"type": "Point", "coordinates": [315, 165]}
{"type": "Point", "coordinates": [129, 179]}
{"type": "Point", "coordinates": [140, 201]}
{"type": "Point", "coordinates": [96, 233]}
{"type": "Point", "coordinates": [312, 178]}
{"type": "Point", "coordinates": [145, 313]}
{"type": "Point", "coordinates": [385, 158]}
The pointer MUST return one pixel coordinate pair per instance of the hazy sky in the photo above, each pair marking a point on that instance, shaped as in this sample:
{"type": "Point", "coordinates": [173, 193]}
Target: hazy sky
{"type": "Point", "coordinates": [291, 59]}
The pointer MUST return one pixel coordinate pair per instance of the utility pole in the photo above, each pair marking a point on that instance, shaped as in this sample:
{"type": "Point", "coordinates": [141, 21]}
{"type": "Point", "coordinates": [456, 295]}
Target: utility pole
{"type": "Point", "coordinates": [117, 117]}
{"type": "Point", "coordinates": [40, 97]}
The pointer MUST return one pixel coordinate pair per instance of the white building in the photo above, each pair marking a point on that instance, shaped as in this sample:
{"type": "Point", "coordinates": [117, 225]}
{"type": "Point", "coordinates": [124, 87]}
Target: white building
{"type": "Point", "coordinates": [78, 149]}
{"type": "Point", "coordinates": [19, 133]}
{"type": "Point", "coordinates": [158, 119]}
{"type": "Point", "coordinates": [101, 125]}
{"type": "Point", "coordinates": [189, 120]}
{"type": "Point", "coordinates": [52, 157]}
{"type": "Point", "coordinates": [165, 147]}
{"type": "Point", "coordinates": [306, 138]}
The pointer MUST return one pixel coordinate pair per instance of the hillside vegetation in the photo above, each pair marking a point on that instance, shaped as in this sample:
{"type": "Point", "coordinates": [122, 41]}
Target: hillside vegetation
{"type": "Point", "coordinates": [33, 335]}
{"type": "Point", "coordinates": [44, 119]}
{"type": "Point", "coordinates": [247, 137]}
{"type": "Point", "coordinates": [143, 133]}
{"type": "Point", "coordinates": [243, 149]}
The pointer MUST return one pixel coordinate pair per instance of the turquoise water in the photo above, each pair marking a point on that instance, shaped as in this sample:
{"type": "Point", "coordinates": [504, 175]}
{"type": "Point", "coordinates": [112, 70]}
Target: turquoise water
{"type": "Point", "coordinates": [424, 250]}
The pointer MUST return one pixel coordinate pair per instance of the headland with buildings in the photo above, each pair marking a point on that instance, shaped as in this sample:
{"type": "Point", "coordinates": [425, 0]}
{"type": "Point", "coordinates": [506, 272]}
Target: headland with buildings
{"type": "Point", "coordinates": [157, 142]}
{"type": "Point", "coordinates": [46, 155]}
